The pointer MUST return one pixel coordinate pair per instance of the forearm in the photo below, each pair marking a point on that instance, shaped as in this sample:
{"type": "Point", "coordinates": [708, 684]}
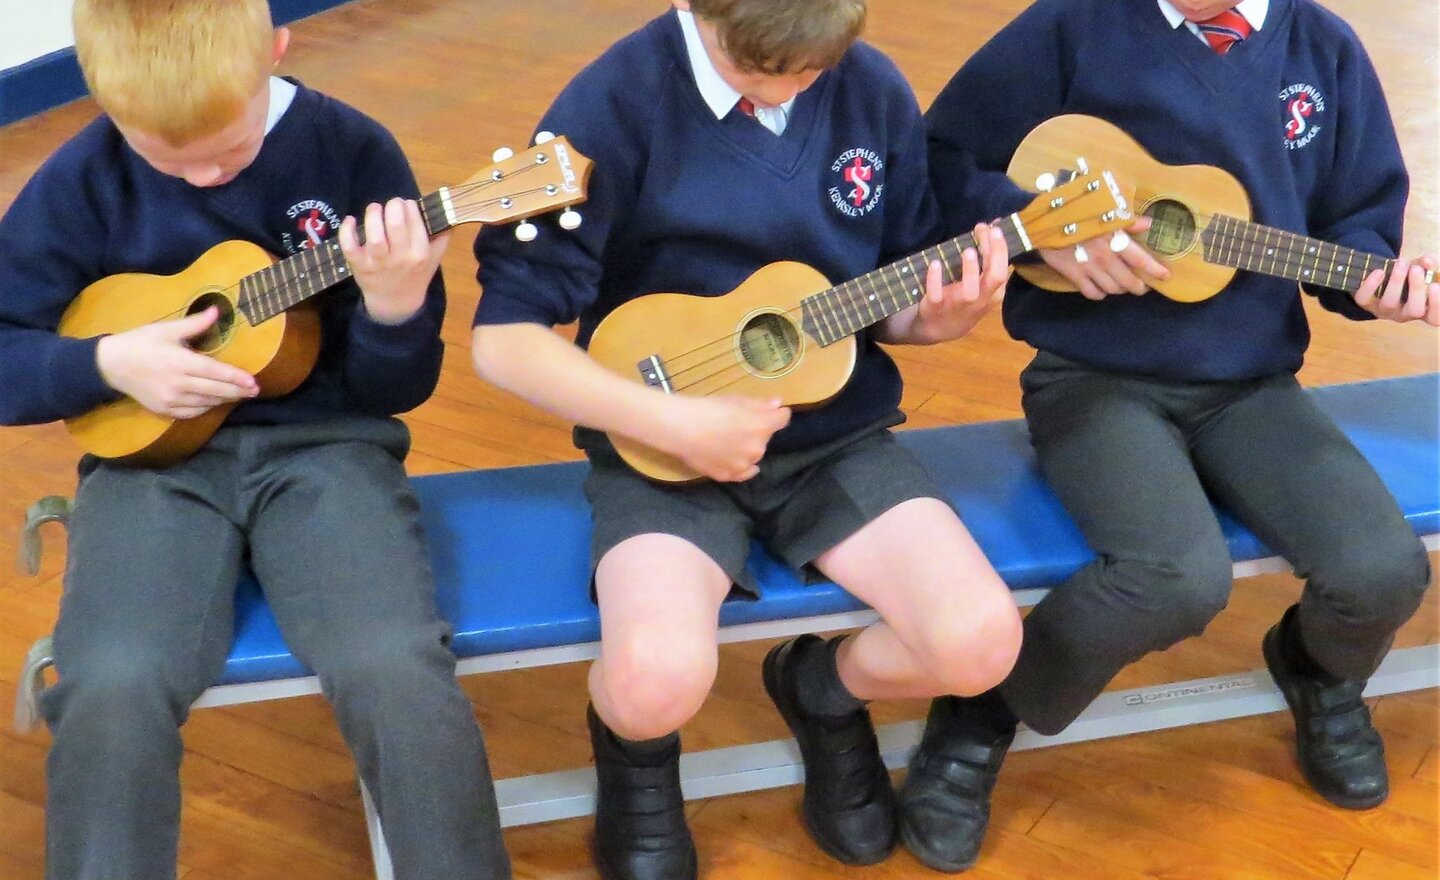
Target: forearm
{"type": "Point", "coordinates": [45, 378]}
{"type": "Point", "coordinates": [533, 362]}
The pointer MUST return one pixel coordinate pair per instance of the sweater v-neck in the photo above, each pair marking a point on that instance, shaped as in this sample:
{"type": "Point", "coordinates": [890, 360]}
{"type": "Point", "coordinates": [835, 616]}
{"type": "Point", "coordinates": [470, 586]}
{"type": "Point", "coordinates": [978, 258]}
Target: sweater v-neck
{"type": "Point", "coordinates": [781, 154]}
{"type": "Point", "coordinates": [1212, 70]}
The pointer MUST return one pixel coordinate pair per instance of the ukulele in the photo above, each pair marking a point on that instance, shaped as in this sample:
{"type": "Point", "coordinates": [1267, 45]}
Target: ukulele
{"type": "Point", "coordinates": [787, 333]}
{"type": "Point", "coordinates": [1199, 217]}
{"type": "Point", "coordinates": [266, 326]}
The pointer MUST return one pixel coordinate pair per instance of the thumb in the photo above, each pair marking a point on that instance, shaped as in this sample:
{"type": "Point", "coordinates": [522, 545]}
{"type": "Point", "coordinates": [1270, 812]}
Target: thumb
{"type": "Point", "coordinates": [192, 325]}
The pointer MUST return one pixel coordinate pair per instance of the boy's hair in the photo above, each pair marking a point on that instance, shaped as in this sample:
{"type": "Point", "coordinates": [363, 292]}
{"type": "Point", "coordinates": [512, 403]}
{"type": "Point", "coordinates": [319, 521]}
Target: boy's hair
{"type": "Point", "coordinates": [178, 69]}
{"type": "Point", "coordinates": [783, 36]}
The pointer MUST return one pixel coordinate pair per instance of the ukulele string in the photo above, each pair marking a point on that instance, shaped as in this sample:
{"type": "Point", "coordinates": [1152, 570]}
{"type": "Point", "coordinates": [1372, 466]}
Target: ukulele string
{"type": "Point", "coordinates": [462, 197]}
{"type": "Point", "coordinates": [849, 306]}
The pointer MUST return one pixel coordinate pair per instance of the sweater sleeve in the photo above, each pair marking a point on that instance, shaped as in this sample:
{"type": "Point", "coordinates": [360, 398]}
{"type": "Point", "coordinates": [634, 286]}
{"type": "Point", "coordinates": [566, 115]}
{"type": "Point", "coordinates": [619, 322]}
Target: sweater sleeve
{"type": "Point", "coordinates": [391, 369]}
{"type": "Point", "coordinates": [51, 247]}
{"type": "Point", "coordinates": [553, 279]}
{"type": "Point", "coordinates": [912, 217]}
{"type": "Point", "coordinates": [1017, 80]}
{"type": "Point", "coordinates": [1361, 203]}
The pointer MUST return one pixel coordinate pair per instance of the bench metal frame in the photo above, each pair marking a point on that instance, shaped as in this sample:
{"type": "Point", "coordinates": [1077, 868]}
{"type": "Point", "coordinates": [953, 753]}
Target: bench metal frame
{"type": "Point", "coordinates": [565, 794]}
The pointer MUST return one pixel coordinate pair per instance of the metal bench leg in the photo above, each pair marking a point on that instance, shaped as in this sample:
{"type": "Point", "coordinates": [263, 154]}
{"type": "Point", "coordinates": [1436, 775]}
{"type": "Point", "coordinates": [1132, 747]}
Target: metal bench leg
{"type": "Point", "coordinates": [51, 508]}
{"type": "Point", "coordinates": [379, 852]}
{"type": "Point", "coordinates": [32, 683]}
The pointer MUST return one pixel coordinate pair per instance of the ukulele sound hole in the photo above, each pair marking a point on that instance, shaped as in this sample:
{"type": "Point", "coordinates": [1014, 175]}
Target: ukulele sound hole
{"type": "Point", "coordinates": [219, 333]}
{"type": "Point", "coordinates": [1172, 228]}
{"type": "Point", "coordinates": [769, 344]}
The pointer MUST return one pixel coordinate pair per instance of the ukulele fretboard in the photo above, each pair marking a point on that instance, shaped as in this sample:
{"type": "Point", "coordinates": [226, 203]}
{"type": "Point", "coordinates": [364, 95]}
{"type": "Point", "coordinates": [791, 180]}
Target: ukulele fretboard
{"type": "Point", "coordinates": [845, 309]}
{"type": "Point", "coordinates": [291, 281]}
{"type": "Point", "coordinates": [1244, 245]}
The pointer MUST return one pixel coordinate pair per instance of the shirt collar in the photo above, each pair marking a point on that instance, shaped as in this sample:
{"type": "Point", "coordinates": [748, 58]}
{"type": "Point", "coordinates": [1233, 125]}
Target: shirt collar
{"type": "Point", "coordinates": [719, 95]}
{"type": "Point", "coordinates": [1254, 12]}
{"type": "Point", "coordinates": [282, 93]}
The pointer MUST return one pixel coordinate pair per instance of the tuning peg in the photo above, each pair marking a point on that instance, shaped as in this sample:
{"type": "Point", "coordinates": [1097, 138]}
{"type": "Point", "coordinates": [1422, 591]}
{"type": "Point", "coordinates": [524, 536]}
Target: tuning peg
{"type": "Point", "coordinates": [1082, 164]}
{"type": "Point", "coordinates": [1045, 182]}
{"type": "Point", "coordinates": [501, 154]}
{"type": "Point", "coordinates": [1119, 241]}
{"type": "Point", "coordinates": [544, 137]}
{"type": "Point", "coordinates": [570, 219]}
{"type": "Point", "coordinates": [1081, 256]}
{"type": "Point", "coordinates": [526, 231]}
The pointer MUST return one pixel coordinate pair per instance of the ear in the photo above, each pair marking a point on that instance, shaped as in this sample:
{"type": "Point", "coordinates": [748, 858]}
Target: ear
{"type": "Point", "coordinates": [282, 42]}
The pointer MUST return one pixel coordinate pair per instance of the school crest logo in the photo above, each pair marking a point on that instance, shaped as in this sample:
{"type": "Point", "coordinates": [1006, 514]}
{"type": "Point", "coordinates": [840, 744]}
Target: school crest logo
{"type": "Point", "coordinates": [860, 183]}
{"type": "Point", "coordinates": [313, 220]}
{"type": "Point", "coordinates": [1304, 106]}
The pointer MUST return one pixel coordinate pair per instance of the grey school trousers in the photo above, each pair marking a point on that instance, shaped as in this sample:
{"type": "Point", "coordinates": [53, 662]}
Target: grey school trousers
{"type": "Point", "coordinates": [323, 514]}
{"type": "Point", "coordinates": [1132, 460]}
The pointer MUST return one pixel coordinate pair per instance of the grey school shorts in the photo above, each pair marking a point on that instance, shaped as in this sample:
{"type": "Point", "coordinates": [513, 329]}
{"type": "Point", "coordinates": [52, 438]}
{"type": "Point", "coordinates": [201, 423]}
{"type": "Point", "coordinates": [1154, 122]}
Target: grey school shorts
{"type": "Point", "coordinates": [800, 504]}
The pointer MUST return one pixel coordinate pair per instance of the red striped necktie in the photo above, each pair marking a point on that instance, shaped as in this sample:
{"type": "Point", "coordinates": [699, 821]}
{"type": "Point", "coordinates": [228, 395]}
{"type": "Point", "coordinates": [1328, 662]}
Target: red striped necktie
{"type": "Point", "coordinates": [1224, 30]}
{"type": "Point", "coordinates": [746, 106]}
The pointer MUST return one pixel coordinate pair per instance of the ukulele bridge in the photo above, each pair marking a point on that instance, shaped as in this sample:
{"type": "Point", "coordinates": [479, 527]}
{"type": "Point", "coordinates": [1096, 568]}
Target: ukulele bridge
{"type": "Point", "coordinates": [654, 373]}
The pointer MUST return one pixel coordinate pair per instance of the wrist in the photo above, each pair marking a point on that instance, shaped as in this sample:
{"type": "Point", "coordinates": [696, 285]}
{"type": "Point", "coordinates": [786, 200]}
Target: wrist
{"type": "Point", "coordinates": [392, 312]}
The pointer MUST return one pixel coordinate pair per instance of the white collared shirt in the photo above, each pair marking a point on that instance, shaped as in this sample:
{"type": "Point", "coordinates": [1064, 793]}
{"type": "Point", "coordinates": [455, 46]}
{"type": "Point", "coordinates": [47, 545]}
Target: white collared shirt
{"type": "Point", "coordinates": [282, 92]}
{"type": "Point", "coordinates": [1254, 12]}
{"type": "Point", "coordinates": [719, 95]}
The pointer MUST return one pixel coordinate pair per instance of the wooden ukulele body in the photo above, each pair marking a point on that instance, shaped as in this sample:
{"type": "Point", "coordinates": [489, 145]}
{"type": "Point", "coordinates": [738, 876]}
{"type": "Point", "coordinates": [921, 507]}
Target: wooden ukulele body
{"type": "Point", "coordinates": [750, 342]}
{"type": "Point", "coordinates": [279, 352]}
{"type": "Point", "coordinates": [1180, 198]}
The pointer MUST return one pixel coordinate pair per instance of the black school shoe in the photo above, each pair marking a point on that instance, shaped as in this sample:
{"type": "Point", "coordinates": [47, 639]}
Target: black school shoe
{"type": "Point", "coordinates": [640, 828]}
{"type": "Point", "coordinates": [849, 806]}
{"type": "Point", "coordinates": [1341, 753]}
{"type": "Point", "coordinates": [945, 801]}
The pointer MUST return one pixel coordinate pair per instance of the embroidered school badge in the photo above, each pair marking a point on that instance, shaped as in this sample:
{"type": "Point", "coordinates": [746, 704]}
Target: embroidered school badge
{"type": "Point", "coordinates": [861, 182]}
{"type": "Point", "coordinates": [314, 221]}
{"type": "Point", "coordinates": [1303, 106]}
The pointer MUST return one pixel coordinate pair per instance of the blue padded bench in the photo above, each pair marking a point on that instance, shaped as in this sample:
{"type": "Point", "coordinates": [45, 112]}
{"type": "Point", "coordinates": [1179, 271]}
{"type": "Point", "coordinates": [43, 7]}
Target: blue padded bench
{"type": "Point", "coordinates": [510, 551]}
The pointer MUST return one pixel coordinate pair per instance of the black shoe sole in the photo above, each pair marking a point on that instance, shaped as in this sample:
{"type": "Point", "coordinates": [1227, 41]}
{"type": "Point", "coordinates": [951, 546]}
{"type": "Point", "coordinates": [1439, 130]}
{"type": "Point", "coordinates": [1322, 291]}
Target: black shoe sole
{"type": "Point", "coordinates": [1270, 649]}
{"type": "Point", "coordinates": [928, 860]}
{"type": "Point", "coordinates": [692, 869]}
{"type": "Point", "coordinates": [775, 687]}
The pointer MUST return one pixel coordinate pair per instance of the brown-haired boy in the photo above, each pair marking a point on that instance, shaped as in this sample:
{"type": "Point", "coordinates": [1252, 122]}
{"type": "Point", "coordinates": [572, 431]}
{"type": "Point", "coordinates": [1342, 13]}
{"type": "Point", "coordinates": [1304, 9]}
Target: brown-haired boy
{"type": "Point", "coordinates": [201, 144]}
{"type": "Point", "coordinates": [728, 134]}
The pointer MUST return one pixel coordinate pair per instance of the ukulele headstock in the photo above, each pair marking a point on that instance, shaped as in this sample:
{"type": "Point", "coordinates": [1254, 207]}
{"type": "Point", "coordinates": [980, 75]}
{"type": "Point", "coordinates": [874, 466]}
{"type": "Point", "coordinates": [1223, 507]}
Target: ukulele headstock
{"type": "Point", "coordinates": [548, 175]}
{"type": "Point", "coordinates": [1077, 205]}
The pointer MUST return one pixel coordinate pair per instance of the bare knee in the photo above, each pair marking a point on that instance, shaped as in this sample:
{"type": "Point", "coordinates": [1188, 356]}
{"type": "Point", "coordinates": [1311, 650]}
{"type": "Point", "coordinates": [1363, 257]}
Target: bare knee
{"type": "Point", "coordinates": [649, 689]}
{"type": "Point", "coordinates": [972, 650]}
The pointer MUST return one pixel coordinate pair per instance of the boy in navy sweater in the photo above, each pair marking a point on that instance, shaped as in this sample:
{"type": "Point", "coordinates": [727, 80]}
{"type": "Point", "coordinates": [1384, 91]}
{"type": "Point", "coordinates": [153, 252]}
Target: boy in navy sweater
{"type": "Point", "coordinates": [201, 144]}
{"type": "Point", "coordinates": [726, 135]}
{"type": "Point", "coordinates": [1139, 405]}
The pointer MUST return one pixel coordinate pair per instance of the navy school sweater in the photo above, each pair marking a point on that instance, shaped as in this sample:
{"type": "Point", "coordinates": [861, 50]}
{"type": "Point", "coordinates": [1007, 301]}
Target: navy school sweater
{"type": "Point", "coordinates": [95, 209]}
{"type": "Point", "coordinates": [1337, 174]}
{"type": "Point", "coordinates": [682, 202]}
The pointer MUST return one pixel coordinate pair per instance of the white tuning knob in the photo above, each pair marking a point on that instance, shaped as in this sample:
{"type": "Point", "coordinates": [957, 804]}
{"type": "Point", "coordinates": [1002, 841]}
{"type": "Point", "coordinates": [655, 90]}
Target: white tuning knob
{"type": "Point", "coordinates": [1081, 256]}
{"type": "Point", "coordinates": [1045, 182]}
{"type": "Point", "coordinates": [501, 154]}
{"type": "Point", "coordinates": [1119, 241]}
{"type": "Point", "coordinates": [544, 137]}
{"type": "Point", "coordinates": [526, 231]}
{"type": "Point", "coordinates": [570, 219]}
